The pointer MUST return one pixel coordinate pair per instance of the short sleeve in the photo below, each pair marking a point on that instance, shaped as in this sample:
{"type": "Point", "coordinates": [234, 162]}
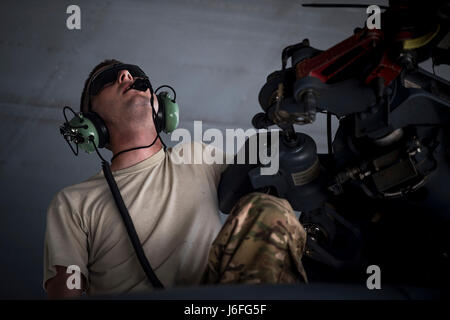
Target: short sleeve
{"type": "Point", "coordinates": [66, 240]}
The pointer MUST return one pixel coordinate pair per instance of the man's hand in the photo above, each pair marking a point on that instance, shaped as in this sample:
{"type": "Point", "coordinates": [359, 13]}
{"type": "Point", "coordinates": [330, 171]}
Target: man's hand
{"type": "Point", "coordinates": [57, 286]}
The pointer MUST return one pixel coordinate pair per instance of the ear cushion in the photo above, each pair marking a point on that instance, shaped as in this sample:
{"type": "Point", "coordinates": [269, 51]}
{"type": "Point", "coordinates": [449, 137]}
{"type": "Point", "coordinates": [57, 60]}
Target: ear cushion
{"type": "Point", "coordinates": [100, 128]}
{"type": "Point", "coordinates": [160, 116]}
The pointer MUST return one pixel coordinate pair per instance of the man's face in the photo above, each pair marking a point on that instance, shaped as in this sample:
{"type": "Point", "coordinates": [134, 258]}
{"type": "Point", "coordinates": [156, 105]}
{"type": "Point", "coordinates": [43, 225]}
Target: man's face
{"type": "Point", "coordinates": [118, 105]}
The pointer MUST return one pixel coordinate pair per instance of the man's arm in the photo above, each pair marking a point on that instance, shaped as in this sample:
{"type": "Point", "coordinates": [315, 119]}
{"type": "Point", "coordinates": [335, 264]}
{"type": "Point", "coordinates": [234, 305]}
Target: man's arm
{"type": "Point", "coordinates": [57, 286]}
{"type": "Point", "coordinates": [65, 245]}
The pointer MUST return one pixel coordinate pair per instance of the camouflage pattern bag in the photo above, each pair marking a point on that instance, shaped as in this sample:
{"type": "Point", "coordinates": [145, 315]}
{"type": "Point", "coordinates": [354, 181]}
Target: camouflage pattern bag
{"type": "Point", "coordinates": [262, 241]}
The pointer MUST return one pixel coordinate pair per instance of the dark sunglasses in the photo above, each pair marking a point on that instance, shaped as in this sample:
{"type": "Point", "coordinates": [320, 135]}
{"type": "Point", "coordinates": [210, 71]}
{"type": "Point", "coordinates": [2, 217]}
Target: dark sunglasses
{"type": "Point", "coordinates": [109, 75]}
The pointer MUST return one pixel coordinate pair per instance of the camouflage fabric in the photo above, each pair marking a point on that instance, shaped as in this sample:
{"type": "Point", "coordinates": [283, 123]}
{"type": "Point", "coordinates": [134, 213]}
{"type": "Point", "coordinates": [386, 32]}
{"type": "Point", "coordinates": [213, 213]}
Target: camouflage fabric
{"type": "Point", "coordinates": [261, 242]}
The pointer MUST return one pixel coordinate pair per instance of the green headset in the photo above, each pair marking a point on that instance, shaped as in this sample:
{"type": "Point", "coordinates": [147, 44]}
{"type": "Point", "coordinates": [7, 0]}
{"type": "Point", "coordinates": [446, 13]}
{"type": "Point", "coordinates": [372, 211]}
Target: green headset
{"type": "Point", "coordinates": [87, 128]}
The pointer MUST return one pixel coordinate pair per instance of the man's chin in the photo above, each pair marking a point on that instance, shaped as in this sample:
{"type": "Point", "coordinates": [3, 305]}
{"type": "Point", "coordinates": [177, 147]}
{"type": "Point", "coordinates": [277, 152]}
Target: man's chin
{"type": "Point", "coordinates": [138, 101]}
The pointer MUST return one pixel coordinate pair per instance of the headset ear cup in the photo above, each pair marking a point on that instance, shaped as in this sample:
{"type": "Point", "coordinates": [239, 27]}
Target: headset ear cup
{"type": "Point", "coordinates": [170, 112]}
{"type": "Point", "coordinates": [100, 128]}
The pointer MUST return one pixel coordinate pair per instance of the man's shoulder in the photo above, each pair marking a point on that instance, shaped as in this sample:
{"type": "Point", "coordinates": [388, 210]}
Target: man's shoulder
{"type": "Point", "coordinates": [80, 190]}
{"type": "Point", "coordinates": [196, 152]}
{"type": "Point", "coordinates": [200, 157]}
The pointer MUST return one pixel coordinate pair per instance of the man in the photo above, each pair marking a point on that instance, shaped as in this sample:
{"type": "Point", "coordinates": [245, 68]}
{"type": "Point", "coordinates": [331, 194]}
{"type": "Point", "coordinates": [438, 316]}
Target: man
{"type": "Point", "coordinates": [174, 208]}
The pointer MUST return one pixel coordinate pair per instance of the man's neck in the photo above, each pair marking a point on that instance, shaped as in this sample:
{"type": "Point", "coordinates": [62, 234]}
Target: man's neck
{"type": "Point", "coordinates": [130, 158]}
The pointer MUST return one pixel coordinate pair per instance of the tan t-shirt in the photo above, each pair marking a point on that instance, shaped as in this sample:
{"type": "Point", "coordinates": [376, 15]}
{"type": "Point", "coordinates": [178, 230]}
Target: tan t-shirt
{"type": "Point", "coordinates": [174, 208]}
